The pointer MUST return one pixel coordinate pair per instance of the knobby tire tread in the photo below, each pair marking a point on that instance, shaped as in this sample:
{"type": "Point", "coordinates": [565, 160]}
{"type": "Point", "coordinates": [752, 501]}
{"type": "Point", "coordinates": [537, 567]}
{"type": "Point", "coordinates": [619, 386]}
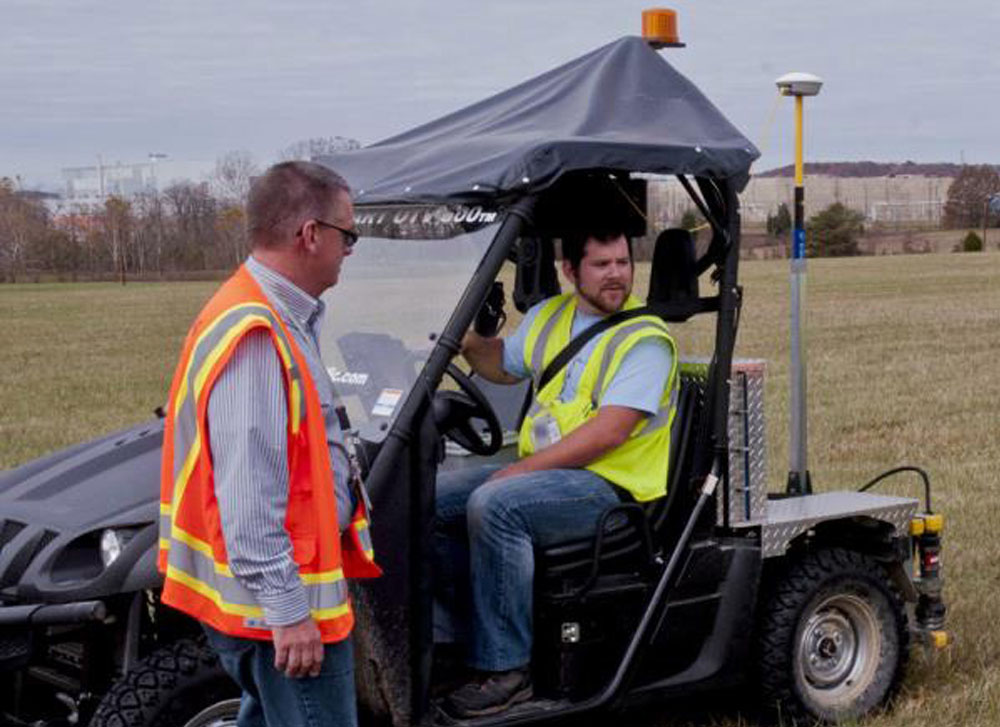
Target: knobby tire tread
{"type": "Point", "coordinates": [148, 695]}
{"type": "Point", "coordinates": [791, 592]}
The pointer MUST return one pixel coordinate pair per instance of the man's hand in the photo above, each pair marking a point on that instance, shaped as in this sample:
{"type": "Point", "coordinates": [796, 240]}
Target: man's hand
{"type": "Point", "coordinates": [485, 356]}
{"type": "Point", "coordinates": [517, 468]}
{"type": "Point", "coordinates": [298, 649]}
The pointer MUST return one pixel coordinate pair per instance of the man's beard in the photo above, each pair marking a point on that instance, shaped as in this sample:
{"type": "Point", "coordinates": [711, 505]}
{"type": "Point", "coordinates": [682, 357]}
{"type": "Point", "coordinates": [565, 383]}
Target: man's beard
{"type": "Point", "coordinates": [596, 302]}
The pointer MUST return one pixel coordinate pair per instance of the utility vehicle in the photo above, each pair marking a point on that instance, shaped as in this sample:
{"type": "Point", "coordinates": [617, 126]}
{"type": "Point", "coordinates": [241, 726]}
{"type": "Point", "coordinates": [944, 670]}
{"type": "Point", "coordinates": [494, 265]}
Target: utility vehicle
{"type": "Point", "coordinates": [813, 598]}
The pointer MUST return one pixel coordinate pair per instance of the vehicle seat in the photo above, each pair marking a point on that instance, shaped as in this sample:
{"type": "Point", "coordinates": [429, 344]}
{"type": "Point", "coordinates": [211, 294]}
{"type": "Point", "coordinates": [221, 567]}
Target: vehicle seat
{"type": "Point", "coordinates": [673, 276]}
{"type": "Point", "coordinates": [631, 534]}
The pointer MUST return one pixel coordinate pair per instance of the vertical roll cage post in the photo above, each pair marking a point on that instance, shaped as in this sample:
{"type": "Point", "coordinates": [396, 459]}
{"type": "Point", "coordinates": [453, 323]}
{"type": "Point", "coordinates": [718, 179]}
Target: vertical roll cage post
{"type": "Point", "coordinates": [719, 204]}
{"type": "Point", "coordinates": [722, 200]}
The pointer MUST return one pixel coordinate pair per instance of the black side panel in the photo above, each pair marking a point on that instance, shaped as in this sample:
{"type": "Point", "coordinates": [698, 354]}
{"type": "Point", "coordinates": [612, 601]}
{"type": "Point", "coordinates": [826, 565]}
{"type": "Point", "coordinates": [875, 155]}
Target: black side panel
{"type": "Point", "coordinates": [425, 462]}
{"type": "Point", "coordinates": [382, 606]}
{"type": "Point", "coordinates": [393, 636]}
{"type": "Point", "coordinates": [704, 634]}
{"type": "Point", "coordinates": [579, 642]}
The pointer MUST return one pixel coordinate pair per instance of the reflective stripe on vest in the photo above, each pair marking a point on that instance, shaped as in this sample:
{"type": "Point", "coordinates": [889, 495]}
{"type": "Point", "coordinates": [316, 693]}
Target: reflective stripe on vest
{"type": "Point", "coordinates": [537, 357]}
{"type": "Point", "coordinates": [359, 525]}
{"type": "Point", "coordinates": [640, 464]}
{"type": "Point", "coordinates": [210, 346]}
{"type": "Point", "coordinates": [191, 562]}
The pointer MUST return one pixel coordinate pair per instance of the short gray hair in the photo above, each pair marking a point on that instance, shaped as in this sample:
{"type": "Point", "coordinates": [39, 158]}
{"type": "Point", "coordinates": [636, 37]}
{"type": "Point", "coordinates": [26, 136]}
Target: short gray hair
{"type": "Point", "coordinates": [286, 196]}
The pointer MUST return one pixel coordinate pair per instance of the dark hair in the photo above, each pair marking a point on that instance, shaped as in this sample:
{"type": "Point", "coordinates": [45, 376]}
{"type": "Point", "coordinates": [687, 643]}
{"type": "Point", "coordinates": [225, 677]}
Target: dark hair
{"type": "Point", "coordinates": [575, 242]}
{"type": "Point", "coordinates": [286, 196]}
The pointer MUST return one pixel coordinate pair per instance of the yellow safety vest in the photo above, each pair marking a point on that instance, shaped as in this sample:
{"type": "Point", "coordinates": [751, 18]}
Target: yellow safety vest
{"type": "Point", "coordinates": [640, 464]}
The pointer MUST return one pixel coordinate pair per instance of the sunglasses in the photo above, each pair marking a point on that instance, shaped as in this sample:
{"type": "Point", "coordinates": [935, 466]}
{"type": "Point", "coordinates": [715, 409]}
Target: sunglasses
{"type": "Point", "coordinates": [350, 236]}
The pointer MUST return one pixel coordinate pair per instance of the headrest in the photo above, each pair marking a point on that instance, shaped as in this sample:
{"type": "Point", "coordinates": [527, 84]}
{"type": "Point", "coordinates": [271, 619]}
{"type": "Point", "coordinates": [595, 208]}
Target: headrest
{"type": "Point", "coordinates": [674, 275]}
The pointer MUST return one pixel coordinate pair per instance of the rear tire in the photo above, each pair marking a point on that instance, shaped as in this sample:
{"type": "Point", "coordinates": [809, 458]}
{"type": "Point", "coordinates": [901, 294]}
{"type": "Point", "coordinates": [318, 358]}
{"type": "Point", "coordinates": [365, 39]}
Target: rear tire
{"type": "Point", "coordinates": [833, 640]}
{"type": "Point", "coordinates": [179, 685]}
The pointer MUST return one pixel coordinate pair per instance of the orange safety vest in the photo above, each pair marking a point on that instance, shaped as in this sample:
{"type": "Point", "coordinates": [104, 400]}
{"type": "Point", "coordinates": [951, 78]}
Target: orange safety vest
{"type": "Point", "coordinates": [192, 554]}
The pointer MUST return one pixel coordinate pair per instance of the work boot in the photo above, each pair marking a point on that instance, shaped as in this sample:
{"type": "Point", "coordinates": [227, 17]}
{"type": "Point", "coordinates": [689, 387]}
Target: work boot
{"type": "Point", "coordinates": [492, 692]}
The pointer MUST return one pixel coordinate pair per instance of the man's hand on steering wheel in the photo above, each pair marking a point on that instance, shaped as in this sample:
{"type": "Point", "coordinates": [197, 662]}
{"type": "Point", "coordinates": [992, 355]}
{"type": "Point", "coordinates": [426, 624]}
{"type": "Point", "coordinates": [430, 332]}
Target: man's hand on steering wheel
{"type": "Point", "coordinates": [456, 412]}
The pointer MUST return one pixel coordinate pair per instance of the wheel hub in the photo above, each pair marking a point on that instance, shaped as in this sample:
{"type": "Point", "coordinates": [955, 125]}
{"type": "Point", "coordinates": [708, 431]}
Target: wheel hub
{"type": "Point", "coordinates": [831, 645]}
{"type": "Point", "coordinates": [838, 648]}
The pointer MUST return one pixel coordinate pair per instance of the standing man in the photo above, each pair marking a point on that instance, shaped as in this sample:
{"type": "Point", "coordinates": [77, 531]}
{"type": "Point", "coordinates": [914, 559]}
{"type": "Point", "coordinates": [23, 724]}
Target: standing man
{"type": "Point", "coordinates": [597, 431]}
{"type": "Point", "coordinates": [260, 516]}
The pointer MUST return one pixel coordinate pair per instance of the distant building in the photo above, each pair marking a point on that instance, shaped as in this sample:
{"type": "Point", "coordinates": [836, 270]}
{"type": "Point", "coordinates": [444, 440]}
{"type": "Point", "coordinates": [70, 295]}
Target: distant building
{"type": "Point", "coordinates": [906, 194]}
{"type": "Point", "coordinates": [93, 185]}
{"type": "Point", "coordinates": [891, 200]}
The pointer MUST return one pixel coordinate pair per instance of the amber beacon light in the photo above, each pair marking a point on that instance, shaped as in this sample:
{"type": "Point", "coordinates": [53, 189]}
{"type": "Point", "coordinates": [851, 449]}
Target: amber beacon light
{"type": "Point", "coordinates": [659, 28]}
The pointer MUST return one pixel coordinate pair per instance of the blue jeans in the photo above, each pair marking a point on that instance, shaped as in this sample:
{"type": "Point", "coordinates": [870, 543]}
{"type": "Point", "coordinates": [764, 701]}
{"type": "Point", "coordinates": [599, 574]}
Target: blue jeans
{"type": "Point", "coordinates": [272, 699]}
{"type": "Point", "coordinates": [484, 544]}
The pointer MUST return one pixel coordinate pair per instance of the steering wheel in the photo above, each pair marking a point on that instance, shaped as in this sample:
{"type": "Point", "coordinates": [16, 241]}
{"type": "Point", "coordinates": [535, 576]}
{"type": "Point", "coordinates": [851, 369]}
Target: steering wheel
{"type": "Point", "coordinates": [455, 412]}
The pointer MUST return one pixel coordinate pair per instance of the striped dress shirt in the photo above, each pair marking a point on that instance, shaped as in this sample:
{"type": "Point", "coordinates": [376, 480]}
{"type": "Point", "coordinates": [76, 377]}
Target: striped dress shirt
{"type": "Point", "coordinates": [247, 423]}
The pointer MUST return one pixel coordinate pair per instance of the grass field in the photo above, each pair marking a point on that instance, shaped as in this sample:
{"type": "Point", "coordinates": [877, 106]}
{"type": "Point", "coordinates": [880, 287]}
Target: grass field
{"type": "Point", "coordinates": [902, 370]}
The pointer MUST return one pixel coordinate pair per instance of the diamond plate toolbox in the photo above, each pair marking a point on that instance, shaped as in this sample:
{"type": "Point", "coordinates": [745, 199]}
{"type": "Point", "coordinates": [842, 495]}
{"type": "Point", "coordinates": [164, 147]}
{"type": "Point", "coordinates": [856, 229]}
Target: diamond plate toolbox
{"type": "Point", "coordinates": [747, 450]}
{"type": "Point", "coordinates": [747, 493]}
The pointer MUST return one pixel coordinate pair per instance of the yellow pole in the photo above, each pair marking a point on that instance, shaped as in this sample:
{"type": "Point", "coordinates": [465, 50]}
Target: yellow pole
{"type": "Point", "coordinates": [798, 142]}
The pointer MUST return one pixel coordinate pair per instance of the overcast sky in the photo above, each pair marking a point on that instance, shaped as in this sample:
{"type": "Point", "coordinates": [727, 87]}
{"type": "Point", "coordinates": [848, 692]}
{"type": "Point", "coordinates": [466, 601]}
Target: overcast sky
{"type": "Point", "coordinates": [194, 79]}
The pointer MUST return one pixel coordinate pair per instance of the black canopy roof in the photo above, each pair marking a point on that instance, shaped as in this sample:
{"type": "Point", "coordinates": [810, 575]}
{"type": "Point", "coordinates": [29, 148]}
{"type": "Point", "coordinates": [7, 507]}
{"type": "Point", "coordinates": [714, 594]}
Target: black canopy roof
{"type": "Point", "coordinates": [620, 107]}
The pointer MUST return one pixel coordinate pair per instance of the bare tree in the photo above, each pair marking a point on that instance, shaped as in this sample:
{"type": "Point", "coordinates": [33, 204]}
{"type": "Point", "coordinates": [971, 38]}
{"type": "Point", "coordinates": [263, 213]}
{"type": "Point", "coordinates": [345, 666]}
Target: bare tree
{"type": "Point", "coordinates": [150, 231]}
{"type": "Point", "coordinates": [82, 224]}
{"type": "Point", "coordinates": [308, 149]}
{"type": "Point", "coordinates": [193, 212]}
{"type": "Point", "coordinates": [117, 223]}
{"type": "Point", "coordinates": [233, 173]}
{"type": "Point", "coordinates": [23, 223]}
{"type": "Point", "coordinates": [230, 225]}
{"type": "Point", "coordinates": [968, 196]}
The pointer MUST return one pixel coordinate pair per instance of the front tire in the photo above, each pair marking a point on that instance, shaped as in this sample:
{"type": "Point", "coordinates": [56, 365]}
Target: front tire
{"type": "Point", "coordinates": [833, 640]}
{"type": "Point", "coordinates": [179, 685]}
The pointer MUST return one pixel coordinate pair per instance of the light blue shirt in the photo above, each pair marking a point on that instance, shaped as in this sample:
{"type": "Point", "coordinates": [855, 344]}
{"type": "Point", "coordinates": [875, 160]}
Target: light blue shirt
{"type": "Point", "coordinates": [638, 383]}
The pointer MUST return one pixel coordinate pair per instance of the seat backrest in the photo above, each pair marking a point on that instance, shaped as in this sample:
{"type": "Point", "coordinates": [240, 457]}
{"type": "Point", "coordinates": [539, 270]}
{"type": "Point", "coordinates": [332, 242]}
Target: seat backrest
{"type": "Point", "coordinates": [673, 277]}
{"type": "Point", "coordinates": [681, 436]}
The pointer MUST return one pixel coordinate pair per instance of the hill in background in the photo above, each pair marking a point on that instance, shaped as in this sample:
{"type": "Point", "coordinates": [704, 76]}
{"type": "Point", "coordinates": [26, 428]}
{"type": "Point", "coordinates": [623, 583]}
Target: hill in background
{"type": "Point", "coordinates": [870, 169]}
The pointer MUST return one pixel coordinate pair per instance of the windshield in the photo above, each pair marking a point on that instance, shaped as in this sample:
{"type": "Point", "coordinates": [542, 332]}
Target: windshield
{"type": "Point", "coordinates": [395, 294]}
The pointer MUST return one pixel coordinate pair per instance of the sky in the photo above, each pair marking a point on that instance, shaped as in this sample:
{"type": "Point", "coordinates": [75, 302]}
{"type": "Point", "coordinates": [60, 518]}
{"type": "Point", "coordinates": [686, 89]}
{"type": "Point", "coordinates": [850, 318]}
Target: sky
{"type": "Point", "coordinates": [195, 79]}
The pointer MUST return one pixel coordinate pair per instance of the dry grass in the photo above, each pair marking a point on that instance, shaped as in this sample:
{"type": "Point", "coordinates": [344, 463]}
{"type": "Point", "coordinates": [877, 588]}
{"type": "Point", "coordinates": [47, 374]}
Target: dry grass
{"type": "Point", "coordinates": [902, 369]}
{"type": "Point", "coordinates": [83, 359]}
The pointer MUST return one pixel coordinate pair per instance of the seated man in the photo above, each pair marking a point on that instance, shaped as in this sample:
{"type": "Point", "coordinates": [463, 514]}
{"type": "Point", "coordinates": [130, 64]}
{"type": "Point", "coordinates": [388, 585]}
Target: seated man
{"type": "Point", "coordinates": [599, 430]}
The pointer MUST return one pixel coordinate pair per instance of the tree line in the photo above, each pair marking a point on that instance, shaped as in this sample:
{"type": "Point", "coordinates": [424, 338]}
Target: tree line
{"type": "Point", "coordinates": [184, 228]}
{"type": "Point", "coordinates": [193, 227]}
{"type": "Point", "coordinates": [187, 228]}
